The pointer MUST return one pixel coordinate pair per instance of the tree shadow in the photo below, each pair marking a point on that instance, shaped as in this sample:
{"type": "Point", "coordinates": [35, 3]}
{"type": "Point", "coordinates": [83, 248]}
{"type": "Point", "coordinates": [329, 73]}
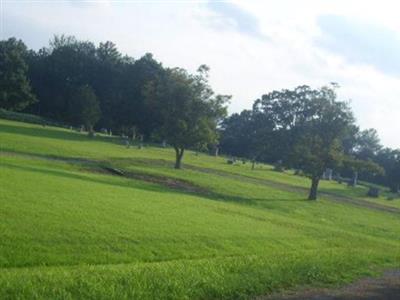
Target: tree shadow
{"type": "Point", "coordinates": [144, 180]}
{"type": "Point", "coordinates": [70, 175]}
{"type": "Point", "coordinates": [266, 202]}
{"type": "Point", "coordinates": [52, 157]}
{"type": "Point", "coordinates": [47, 132]}
{"type": "Point", "coordinates": [146, 185]}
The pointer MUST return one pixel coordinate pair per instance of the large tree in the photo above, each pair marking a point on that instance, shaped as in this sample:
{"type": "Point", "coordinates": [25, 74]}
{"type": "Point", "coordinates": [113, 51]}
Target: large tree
{"type": "Point", "coordinates": [15, 89]}
{"type": "Point", "coordinates": [312, 126]}
{"type": "Point", "coordinates": [322, 125]}
{"type": "Point", "coordinates": [367, 144]}
{"type": "Point", "coordinates": [188, 110]}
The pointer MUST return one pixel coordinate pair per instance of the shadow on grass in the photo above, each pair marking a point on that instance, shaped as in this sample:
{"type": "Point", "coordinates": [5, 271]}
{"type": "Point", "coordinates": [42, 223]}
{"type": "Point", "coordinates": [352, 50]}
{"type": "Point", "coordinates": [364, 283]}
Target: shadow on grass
{"type": "Point", "coordinates": [268, 201]}
{"type": "Point", "coordinates": [149, 184]}
{"type": "Point", "coordinates": [48, 132]}
{"type": "Point", "coordinates": [70, 175]}
{"type": "Point", "coordinates": [33, 155]}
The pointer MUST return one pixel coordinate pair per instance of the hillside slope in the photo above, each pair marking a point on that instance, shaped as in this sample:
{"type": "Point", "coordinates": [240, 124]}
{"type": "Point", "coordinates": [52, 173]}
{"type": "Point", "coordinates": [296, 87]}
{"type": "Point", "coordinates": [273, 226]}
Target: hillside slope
{"type": "Point", "coordinates": [90, 218]}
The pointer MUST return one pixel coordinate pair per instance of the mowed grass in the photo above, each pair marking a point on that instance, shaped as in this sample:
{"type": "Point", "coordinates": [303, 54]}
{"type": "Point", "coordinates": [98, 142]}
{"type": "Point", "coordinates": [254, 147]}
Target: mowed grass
{"type": "Point", "coordinates": [68, 232]}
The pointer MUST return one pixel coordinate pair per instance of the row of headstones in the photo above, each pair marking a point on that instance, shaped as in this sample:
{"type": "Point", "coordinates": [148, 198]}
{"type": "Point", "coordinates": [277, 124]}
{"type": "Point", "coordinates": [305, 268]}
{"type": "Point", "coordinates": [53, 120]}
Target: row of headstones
{"type": "Point", "coordinates": [82, 129]}
{"type": "Point", "coordinates": [329, 175]}
{"type": "Point", "coordinates": [128, 142]}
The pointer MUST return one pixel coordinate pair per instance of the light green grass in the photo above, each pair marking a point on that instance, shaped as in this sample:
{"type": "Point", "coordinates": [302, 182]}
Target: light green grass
{"type": "Point", "coordinates": [68, 233]}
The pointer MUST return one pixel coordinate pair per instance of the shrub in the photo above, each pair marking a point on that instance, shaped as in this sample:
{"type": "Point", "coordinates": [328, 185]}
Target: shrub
{"type": "Point", "coordinates": [27, 118]}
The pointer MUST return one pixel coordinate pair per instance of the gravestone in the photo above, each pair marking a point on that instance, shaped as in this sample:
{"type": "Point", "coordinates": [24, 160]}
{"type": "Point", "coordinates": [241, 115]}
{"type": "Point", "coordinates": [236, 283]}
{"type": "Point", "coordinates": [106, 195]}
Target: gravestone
{"type": "Point", "coordinates": [327, 175]}
{"type": "Point", "coordinates": [373, 192]}
{"type": "Point", "coordinates": [278, 166]}
{"type": "Point", "coordinates": [216, 151]}
{"type": "Point", "coordinates": [231, 161]}
{"type": "Point", "coordinates": [140, 146]}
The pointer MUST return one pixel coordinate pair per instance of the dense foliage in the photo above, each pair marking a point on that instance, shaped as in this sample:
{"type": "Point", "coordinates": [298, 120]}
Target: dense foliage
{"type": "Point", "coordinates": [15, 91]}
{"type": "Point", "coordinates": [189, 113]}
{"type": "Point", "coordinates": [80, 84]}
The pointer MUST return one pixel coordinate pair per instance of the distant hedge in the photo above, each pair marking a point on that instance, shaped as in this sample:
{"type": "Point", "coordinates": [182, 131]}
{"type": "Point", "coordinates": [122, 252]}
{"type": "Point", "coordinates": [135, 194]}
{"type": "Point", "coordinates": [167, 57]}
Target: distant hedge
{"type": "Point", "coordinates": [27, 118]}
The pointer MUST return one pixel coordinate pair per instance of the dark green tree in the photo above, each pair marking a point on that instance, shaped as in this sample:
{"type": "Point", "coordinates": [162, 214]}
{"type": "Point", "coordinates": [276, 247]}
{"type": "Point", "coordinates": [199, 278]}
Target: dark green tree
{"type": "Point", "coordinates": [390, 160]}
{"type": "Point", "coordinates": [235, 138]}
{"type": "Point", "coordinates": [15, 89]}
{"type": "Point", "coordinates": [84, 108]}
{"type": "Point", "coordinates": [367, 144]}
{"type": "Point", "coordinates": [322, 123]}
{"type": "Point", "coordinates": [188, 110]}
{"type": "Point", "coordinates": [311, 125]}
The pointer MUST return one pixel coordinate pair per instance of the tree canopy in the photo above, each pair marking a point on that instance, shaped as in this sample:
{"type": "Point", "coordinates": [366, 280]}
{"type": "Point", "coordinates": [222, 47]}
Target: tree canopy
{"type": "Point", "coordinates": [306, 129]}
{"type": "Point", "coordinates": [15, 89]}
{"type": "Point", "coordinates": [188, 111]}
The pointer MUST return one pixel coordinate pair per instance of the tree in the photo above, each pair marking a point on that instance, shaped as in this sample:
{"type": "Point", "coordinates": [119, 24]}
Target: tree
{"type": "Point", "coordinates": [310, 124]}
{"type": "Point", "coordinates": [358, 165]}
{"type": "Point", "coordinates": [84, 108]}
{"type": "Point", "coordinates": [322, 123]}
{"type": "Point", "coordinates": [247, 134]}
{"type": "Point", "coordinates": [134, 110]}
{"type": "Point", "coordinates": [188, 110]}
{"type": "Point", "coordinates": [367, 144]}
{"type": "Point", "coordinates": [15, 89]}
{"type": "Point", "coordinates": [235, 137]}
{"type": "Point", "coordinates": [394, 173]}
{"type": "Point", "coordinates": [390, 160]}
{"type": "Point", "coordinates": [57, 71]}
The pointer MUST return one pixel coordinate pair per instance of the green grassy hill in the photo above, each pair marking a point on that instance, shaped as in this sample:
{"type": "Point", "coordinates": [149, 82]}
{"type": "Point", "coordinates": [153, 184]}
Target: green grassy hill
{"type": "Point", "coordinates": [71, 227]}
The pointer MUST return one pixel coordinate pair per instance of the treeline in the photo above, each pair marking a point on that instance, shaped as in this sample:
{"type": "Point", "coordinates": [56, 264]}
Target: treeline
{"type": "Point", "coordinates": [111, 84]}
{"type": "Point", "coordinates": [96, 86]}
{"type": "Point", "coordinates": [81, 84]}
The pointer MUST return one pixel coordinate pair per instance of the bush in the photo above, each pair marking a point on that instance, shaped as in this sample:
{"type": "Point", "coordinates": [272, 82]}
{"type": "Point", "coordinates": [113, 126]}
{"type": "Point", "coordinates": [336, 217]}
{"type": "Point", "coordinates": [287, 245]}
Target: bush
{"type": "Point", "coordinates": [373, 192]}
{"type": "Point", "coordinates": [27, 118]}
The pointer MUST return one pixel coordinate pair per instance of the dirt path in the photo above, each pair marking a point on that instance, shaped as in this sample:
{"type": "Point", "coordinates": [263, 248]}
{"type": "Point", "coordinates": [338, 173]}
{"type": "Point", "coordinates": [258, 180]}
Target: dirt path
{"type": "Point", "coordinates": [386, 287]}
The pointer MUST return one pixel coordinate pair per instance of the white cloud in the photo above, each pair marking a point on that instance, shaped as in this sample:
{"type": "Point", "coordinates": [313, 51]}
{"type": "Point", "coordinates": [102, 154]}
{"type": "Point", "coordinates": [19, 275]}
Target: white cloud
{"type": "Point", "coordinates": [189, 33]}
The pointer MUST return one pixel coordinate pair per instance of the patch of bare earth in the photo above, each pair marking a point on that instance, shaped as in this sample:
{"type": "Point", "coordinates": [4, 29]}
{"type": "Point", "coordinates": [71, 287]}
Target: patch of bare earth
{"type": "Point", "coordinates": [169, 182]}
{"type": "Point", "coordinates": [386, 287]}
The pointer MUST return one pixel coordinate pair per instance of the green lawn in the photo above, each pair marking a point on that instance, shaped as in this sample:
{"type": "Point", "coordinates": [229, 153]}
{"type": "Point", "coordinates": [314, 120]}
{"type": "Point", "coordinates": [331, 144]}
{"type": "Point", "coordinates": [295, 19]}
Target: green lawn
{"type": "Point", "coordinates": [70, 231]}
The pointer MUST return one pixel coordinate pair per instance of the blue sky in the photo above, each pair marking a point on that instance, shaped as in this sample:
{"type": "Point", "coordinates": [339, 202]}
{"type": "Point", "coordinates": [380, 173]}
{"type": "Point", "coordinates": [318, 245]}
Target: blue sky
{"type": "Point", "coordinates": [252, 47]}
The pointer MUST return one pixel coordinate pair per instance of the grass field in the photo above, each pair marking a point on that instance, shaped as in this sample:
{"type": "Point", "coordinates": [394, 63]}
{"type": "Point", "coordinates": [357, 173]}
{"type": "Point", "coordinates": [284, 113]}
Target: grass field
{"type": "Point", "coordinates": [69, 229]}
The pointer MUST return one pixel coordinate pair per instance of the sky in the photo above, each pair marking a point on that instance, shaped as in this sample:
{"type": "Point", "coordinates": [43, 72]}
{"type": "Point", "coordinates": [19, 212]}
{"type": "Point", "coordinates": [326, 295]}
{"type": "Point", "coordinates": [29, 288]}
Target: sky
{"type": "Point", "coordinates": [252, 47]}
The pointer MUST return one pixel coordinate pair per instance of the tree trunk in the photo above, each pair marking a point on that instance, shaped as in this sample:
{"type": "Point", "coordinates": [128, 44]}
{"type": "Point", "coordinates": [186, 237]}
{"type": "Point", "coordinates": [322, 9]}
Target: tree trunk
{"type": "Point", "coordinates": [314, 188]}
{"type": "Point", "coordinates": [90, 130]}
{"type": "Point", "coordinates": [395, 188]}
{"type": "Point", "coordinates": [179, 155]}
{"type": "Point", "coordinates": [355, 179]}
{"type": "Point", "coordinates": [253, 162]}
